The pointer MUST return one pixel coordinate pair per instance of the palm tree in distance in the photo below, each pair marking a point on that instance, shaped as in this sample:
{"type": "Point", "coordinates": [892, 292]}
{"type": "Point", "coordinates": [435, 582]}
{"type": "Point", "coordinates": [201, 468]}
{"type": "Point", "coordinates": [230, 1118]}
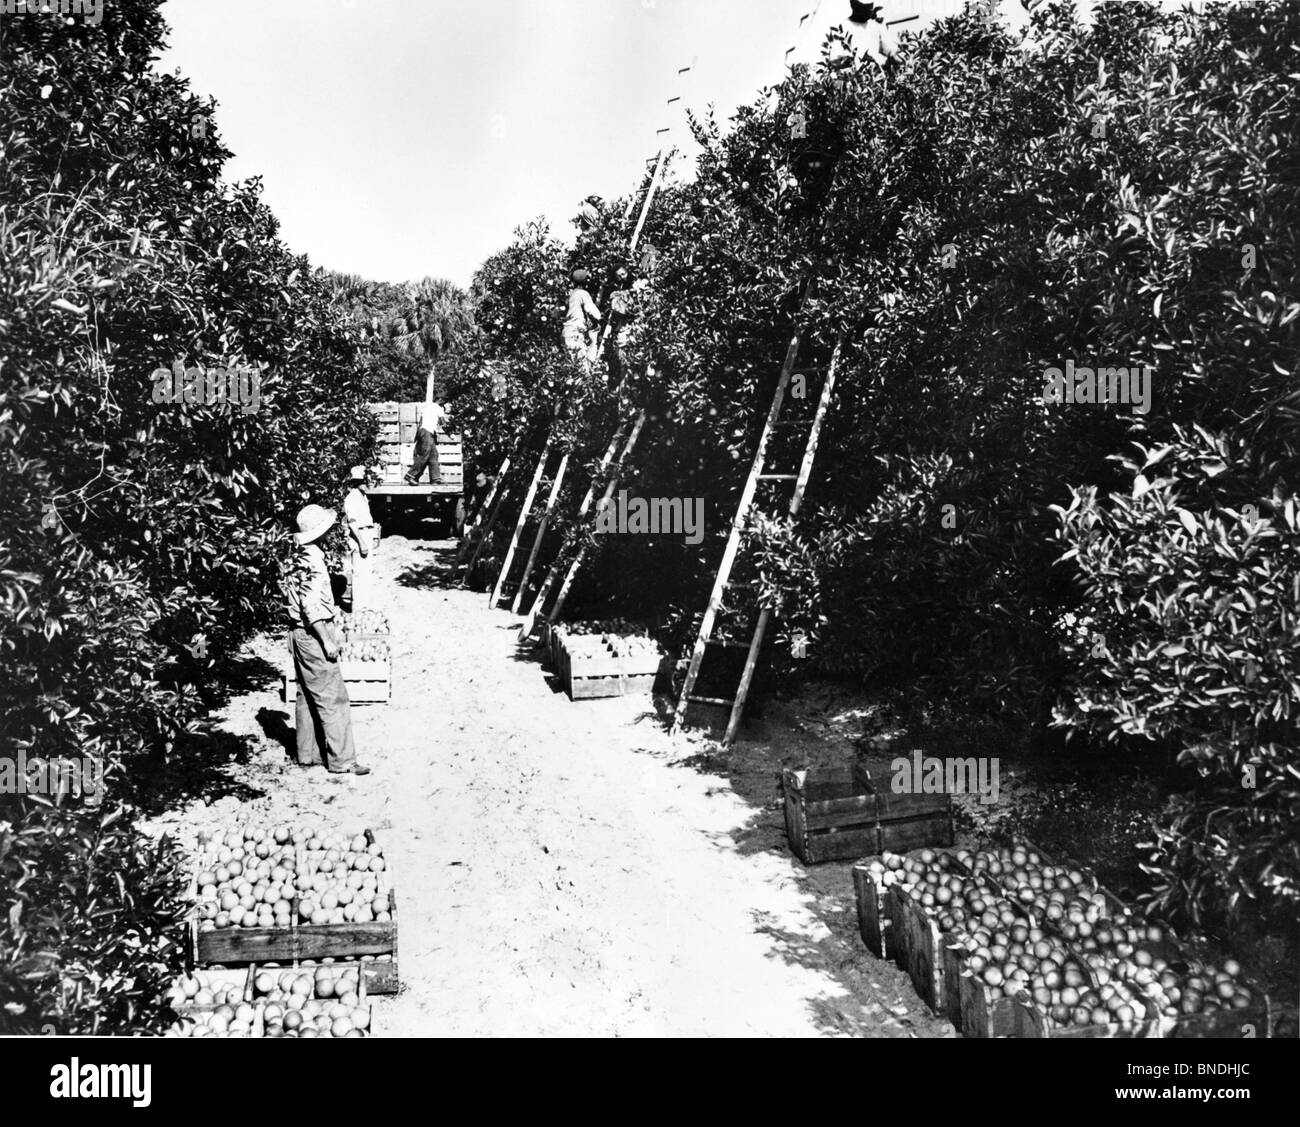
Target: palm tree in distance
{"type": "Point", "coordinates": [434, 316]}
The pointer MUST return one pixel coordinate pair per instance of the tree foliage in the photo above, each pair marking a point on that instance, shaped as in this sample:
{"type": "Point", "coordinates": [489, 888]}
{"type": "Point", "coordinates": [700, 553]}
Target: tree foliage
{"type": "Point", "coordinates": [141, 538]}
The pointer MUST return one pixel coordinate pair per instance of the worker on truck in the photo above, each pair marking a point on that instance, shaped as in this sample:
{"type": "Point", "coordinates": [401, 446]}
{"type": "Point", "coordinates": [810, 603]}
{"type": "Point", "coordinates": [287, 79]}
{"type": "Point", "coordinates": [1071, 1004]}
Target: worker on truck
{"type": "Point", "coordinates": [323, 717]}
{"type": "Point", "coordinates": [362, 539]}
{"type": "Point", "coordinates": [426, 444]}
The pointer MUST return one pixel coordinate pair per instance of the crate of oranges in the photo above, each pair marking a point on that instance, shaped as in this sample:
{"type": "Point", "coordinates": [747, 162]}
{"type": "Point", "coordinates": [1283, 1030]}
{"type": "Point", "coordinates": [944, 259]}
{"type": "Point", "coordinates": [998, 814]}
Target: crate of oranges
{"type": "Point", "coordinates": [366, 662]}
{"type": "Point", "coordinates": [289, 894]}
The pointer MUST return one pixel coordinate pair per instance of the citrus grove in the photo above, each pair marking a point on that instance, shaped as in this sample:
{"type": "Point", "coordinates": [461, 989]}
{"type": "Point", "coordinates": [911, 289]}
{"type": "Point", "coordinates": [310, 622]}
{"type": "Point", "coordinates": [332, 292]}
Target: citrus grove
{"type": "Point", "coordinates": [1121, 194]}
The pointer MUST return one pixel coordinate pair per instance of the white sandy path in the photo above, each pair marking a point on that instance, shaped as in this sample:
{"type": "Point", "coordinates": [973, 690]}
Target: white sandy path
{"type": "Point", "coordinates": [597, 889]}
{"type": "Point", "coordinates": [559, 871]}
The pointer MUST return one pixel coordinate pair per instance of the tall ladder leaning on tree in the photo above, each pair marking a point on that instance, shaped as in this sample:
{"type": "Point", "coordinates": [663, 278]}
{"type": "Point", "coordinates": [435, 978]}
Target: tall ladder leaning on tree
{"type": "Point", "coordinates": [576, 545]}
{"type": "Point", "coordinates": [711, 633]}
{"type": "Point", "coordinates": [618, 451]}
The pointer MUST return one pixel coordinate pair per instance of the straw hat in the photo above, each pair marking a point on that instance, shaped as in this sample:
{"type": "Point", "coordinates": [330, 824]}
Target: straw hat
{"type": "Point", "coordinates": [357, 473]}
{"type": "Point", "coordinates": [313, 522]}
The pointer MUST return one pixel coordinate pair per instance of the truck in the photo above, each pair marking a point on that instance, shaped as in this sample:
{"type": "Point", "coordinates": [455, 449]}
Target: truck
{"type": "Point", "coordinates": [392, 499]}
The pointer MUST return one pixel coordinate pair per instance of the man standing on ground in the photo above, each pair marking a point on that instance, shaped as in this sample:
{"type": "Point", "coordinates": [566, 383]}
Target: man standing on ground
{"type": "Point", "coordinates": [361, 539]}
{"type": "Point", "coordinates": [323, 719]}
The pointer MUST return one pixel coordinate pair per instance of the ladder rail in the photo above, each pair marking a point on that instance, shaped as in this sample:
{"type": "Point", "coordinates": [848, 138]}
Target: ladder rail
{"type": "Point", "coordinates": [585, 547]}
{"type": "Point", "coordinates": [523, 517]}
{"type": "Point", "coordinates": [764, 614]}
{"type": "Point", "coordinates": [814, 435]}
{"type": "Point", "coordinates": [488, 502]}
{"type": "Point", "coordinates": [487, 534]}
{"type": "Point", "coordinates": [747, 677]}
{"type": "Point", "coordinates": [541, 532]}
{"type": "Point", "coordinates": [539, 601]}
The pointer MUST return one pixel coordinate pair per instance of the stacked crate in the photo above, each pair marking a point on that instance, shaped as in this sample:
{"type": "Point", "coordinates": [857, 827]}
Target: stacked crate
{"type": "Point", "coordinates": [398, 425]}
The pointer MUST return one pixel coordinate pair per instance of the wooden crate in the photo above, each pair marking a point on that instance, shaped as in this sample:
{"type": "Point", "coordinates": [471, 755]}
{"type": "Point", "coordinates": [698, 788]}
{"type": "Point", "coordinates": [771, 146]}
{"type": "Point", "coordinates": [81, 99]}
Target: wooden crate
{"type": "Point", "coordinates": [831, 814]}
{"type": "Point", "coordinates": [374, 937]}
{"type": "Point", "coordinates": [840, 814]}
{"type": "Point", "coordinates": [590, 674]}
{"type": "Point", "coordinates": [968, 1002]}
{"type": "Point", "coordinates": [409, 412]}
{"type": "Point", "coordinates": [368, 682]}
{"type": "Point", "coordinates": [918, 948]}
{"type": "Point", "coordinates": [873, 912]}
{"type": "Point", "coordinates": [874, 920]}
{"type": "Point", "coordinates": [927, 954]}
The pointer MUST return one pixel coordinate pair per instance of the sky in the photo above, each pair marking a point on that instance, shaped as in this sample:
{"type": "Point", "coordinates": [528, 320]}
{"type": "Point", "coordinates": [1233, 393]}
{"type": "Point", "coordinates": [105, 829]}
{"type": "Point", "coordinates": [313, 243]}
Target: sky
{"type": "Point", "coordinates": [403, 138]}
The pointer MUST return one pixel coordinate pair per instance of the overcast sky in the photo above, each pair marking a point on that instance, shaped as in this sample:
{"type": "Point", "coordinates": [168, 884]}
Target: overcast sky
{"type": "Point", "coordinates": [399, 138]}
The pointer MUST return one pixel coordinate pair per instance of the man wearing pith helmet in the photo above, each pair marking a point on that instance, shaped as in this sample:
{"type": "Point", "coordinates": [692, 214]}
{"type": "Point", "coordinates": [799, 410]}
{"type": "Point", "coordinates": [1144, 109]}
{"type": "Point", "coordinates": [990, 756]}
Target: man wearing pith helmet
{"type": "Point", "coordinates": [323, 720]}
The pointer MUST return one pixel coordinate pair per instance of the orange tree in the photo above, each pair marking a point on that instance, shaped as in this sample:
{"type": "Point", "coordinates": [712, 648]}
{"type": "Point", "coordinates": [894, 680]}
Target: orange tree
{"type": "Point", "coordinates": [141, 537]}
{"type": "Point", "coordinates": [998, 209]}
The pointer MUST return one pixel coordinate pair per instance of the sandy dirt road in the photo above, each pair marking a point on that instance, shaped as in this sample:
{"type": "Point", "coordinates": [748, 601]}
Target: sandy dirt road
{"type": "Point", "coordinates": [566, 868]}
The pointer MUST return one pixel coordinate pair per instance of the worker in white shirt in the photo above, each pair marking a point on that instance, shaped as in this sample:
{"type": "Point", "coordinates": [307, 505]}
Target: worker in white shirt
{"type": "Point", "coordinates": [362, 539]}
{"type": "Point", "coordinates": [580, 318]}
{"type": "Point", "coordinates": [861, 31]}
{"type": "Point", "coordinates": [426, 444]}
{"type": "Point", "coordinates": [865, 32]}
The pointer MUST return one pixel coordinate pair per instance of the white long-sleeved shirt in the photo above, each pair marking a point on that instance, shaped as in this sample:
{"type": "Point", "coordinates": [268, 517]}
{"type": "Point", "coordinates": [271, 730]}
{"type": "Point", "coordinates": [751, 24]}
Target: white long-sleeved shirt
{"type": "Point", "coordinates": [582, 311]}
{"type": "Point", "coordinates": [873, 39]}
{"type": "Point", "coordinates": [431, 419]}
{"type": "Point", "coordinates": [356, 509]}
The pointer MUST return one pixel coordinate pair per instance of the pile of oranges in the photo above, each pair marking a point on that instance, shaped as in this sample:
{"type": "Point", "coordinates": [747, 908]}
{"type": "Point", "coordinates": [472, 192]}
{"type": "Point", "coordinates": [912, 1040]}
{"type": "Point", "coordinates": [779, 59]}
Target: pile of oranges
{"type": "Point", "coordinates": [245, 879]}
{"type": "Point", "coordinates": [238, 1020]}
{"type": "Point", "coordinates": [316, 1002]}
{"type": "Point", "coordinates": [253, 877]}
{"type": "Point", "coordinates": [1047, 935]}
{"type": "Point", "coordinates": [367, 622]}
{"type": "Point", "coordinates": [364, 649]}
{"type": "Point", "coordinates": [342, 879]}
{"type": "Point", "coordinates": [203, 988]}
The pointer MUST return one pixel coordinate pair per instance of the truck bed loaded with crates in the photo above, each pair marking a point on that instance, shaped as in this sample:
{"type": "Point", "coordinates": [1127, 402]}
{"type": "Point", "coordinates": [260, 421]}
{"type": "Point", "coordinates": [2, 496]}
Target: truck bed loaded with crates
{"type": "Point", "coordinates": [393, 497]}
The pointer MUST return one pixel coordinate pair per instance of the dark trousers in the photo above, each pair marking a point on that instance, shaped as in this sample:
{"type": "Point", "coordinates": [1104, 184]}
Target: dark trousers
{"type": "Point", "coordinates": [323, 720]}
{"type": "Point", "coordinates": [426, 454]}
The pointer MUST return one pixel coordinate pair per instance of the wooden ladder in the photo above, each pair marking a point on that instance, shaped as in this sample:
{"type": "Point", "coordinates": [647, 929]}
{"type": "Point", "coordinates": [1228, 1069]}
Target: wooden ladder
{"type": "Point", "coordinates": [660, 163]}
{"type": "Point", "coordinates": [526, 510]}
{"type": "Point", "coordinates": [491, 507]}
{"type": "Point", "coordinates": [758, 476]}
{"type": "Point", "coordinates": [625, 436]}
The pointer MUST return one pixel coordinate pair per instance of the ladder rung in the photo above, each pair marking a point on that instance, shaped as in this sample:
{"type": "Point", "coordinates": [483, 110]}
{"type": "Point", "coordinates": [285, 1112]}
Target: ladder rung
{"type": "Point", "coordinates": [710, 700]}
{"type": "Point", "coordinates": [778, 477]}
{"type": "Point", "coordinates": [726, 645]}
